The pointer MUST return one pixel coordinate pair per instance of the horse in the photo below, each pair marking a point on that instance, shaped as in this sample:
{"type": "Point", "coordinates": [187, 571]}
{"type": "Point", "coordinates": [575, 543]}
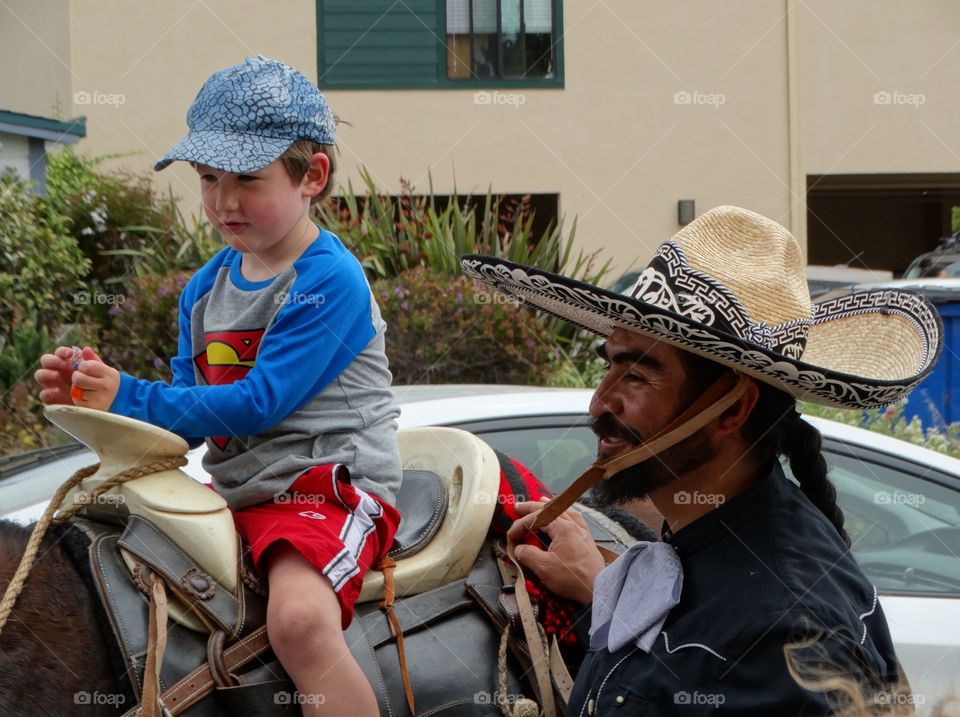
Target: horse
{"type": "Point", "coordinates": [432, 630]}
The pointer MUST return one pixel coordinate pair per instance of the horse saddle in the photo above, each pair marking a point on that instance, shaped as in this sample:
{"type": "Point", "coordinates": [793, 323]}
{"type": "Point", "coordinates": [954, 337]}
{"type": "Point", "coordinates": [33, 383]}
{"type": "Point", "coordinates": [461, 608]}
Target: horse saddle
{"type": "Point", "coordinates": [445, 516]}
{"type": "Point", "coordinates": [165, 526]}
{"type": "Point", "coordinates": [206, 617]}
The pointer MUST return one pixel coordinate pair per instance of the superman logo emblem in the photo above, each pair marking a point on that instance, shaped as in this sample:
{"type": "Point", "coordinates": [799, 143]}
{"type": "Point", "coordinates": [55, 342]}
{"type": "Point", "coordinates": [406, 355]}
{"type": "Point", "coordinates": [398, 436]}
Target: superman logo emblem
{"type": "Point", "coordinates": [229, 355]}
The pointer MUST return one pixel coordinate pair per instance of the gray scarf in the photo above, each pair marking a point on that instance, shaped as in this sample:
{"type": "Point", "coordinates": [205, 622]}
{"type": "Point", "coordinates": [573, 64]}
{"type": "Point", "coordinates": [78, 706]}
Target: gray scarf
{"type": "Point", "coordinates": [633, 596]}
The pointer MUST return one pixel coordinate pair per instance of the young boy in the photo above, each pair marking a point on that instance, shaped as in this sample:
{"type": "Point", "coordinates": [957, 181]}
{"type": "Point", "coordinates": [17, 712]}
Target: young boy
{"type": "Point", "coordinates": [281, 368]}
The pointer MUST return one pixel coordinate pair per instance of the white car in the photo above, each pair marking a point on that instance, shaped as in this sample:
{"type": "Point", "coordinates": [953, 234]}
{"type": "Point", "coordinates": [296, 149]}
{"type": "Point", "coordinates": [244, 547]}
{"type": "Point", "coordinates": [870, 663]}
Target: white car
{"type": "Point", "coordinates": [901, 502]}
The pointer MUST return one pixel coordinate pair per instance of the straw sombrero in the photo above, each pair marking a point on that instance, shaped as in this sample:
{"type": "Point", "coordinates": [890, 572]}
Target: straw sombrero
{"type": "Point", "coordinates": [731, 287]}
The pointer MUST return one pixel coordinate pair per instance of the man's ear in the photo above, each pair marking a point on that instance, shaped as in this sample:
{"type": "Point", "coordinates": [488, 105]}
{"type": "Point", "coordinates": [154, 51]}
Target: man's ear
{"type": "Point", "coordinates": [317, 175]}
{"type": "Point", "coordinates": [732, 420]}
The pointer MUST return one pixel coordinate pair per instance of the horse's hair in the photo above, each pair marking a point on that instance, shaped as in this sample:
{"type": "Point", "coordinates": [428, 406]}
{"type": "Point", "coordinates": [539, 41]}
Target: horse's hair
{"type": "Point", "coordinates": [635, 527]}
{"type": "Point", "coordinates": [775, 428]}
{"type": "Point", "coordinates": [51, 649]}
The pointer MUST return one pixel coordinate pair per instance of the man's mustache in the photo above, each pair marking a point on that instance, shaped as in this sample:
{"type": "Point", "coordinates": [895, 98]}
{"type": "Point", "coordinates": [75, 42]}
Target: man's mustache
{"type": "Point", "coordinates": [609, 426]}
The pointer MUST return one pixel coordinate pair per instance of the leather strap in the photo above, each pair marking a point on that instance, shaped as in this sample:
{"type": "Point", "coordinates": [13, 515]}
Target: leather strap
{"type": "Point", "coordinates": [508, 596]}
{"type": "Point", "coordinates": [387, 565]}
{"type": "Point", "coordinates": [536, 643]}
{"type": "Point", "coordinates": [200, 683]}
{"type": "Point", "coordinates": [722, 393]}
{"type": "Point", "coordinates": [152, 546]}
{"type": "Point", "coordinates": [561, 675]}
{"type": "Point", "coordinates": [150, 702]}
{"type": "Point", "coordinates": [608, 555]}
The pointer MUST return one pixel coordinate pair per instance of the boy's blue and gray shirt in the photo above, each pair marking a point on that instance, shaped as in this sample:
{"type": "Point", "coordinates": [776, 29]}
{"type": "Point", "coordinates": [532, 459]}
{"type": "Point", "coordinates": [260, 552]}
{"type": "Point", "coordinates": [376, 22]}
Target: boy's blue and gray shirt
{"type": "Point", "coordinates": [279, 376]}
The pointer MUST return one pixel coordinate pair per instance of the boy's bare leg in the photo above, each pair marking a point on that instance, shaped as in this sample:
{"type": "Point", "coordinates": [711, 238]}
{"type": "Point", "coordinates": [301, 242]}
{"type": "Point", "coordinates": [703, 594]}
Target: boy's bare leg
{"type": "Point", "coordinates": [303, 622]}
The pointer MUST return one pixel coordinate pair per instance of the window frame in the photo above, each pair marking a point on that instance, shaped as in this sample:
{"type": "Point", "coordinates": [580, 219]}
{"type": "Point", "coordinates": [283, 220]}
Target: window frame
{"type": "Point", "coordinates": [500, 82]}
{"type": "Point", "coordinates": [442, 81]}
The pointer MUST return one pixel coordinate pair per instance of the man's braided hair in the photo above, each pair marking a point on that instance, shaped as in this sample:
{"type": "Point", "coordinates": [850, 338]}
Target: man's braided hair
{"type": "Point", "coordinates": [775, 428]}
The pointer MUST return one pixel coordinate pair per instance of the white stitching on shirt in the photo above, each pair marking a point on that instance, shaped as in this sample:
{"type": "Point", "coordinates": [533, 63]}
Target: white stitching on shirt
{"type": "Point", "coordinates": [868, 614]}
{"type": "Point", "coordinates": [666, 644]}
{"type": "Point", "coordinates": [600, 689]}
{"type": "Point", "coordinates": [585, 703]}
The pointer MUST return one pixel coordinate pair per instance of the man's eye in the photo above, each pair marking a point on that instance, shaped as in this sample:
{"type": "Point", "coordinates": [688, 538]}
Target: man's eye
{"type": "Point", "coordinates": [207, 178]}
{"type": "Point", "coordinates": [634, 378]}
{"type": "Point", "coordinates": [247, 178]}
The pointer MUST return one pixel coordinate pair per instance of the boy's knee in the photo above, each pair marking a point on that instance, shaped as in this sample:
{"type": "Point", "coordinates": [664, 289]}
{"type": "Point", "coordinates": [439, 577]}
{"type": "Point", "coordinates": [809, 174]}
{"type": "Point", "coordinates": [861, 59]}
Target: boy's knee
{"type": "Point", "coordinates": [301, 623]}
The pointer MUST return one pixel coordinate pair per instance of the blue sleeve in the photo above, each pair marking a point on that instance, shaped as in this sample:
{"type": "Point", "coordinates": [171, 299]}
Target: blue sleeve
{"type": "Point", "coordinates": [182, 364]}
{"type": "Point", "coordinates": [309, 343]}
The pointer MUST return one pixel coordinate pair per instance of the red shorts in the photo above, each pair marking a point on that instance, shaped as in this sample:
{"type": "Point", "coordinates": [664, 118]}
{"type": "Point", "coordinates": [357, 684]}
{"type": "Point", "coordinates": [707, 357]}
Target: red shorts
{"type": "Point", "coordinates": [341, 530]}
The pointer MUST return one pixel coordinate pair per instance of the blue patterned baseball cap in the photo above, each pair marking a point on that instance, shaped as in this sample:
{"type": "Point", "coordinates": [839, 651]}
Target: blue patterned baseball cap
{"type": "Point", "coordinates": [246, 116]}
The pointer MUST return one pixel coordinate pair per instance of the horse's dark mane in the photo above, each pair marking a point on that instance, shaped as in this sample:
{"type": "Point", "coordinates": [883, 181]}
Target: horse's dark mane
{"type": "Point", "coordinates": [627, 521]}
{"type": "Point", "coordinates": [10, 531]}
{"type": "Point", "coordinates": [51, 648]}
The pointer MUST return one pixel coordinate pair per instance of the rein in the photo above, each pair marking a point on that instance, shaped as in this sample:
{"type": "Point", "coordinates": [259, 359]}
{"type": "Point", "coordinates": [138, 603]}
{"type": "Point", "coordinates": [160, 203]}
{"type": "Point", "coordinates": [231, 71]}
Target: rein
{"type": "Point", "coordinates": [50, 517]}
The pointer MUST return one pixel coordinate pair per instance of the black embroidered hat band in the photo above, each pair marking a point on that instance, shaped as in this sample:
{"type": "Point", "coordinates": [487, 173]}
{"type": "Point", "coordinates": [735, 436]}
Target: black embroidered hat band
{"type": "Point", "coordinates": [731, 287]}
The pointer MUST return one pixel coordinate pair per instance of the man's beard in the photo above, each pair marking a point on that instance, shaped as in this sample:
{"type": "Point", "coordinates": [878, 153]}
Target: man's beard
{"type": "Point", "coordinates": [640, 480]}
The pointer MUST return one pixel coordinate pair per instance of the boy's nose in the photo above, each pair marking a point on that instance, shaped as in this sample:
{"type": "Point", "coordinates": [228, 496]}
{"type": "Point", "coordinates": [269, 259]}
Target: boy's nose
{"type": "Point", "coordinates": [226, 199]}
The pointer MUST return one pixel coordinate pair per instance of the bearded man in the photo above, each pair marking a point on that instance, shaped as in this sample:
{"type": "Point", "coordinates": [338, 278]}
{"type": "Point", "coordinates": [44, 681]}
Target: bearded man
{"type": "Point", "coordinates": [707, 357]}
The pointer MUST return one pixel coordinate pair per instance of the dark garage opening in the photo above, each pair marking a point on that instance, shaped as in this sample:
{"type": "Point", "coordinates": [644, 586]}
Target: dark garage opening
{"type": "Point", "coordinates": [878, 221]}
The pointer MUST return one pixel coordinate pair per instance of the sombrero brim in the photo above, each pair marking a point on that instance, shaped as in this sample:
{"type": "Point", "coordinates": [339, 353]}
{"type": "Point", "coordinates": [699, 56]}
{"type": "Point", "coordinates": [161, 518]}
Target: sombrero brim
{"type": "Point", "coordinates": [863, 350]}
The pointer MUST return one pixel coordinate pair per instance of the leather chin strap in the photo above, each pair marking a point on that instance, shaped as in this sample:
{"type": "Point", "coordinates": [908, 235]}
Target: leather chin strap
{"type": "Point", "coordinates": [722, 393]}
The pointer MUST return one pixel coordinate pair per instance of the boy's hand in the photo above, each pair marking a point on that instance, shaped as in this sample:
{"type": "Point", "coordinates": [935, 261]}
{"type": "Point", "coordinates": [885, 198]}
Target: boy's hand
{"type": "Point", "coordinates": [98, 383]}
{"type": "Point", "coordinates": [54, 376]}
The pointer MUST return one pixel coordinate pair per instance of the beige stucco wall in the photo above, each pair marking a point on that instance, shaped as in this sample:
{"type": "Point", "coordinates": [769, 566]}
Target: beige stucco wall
{"type": "Point", "coordinates": [35, 57]}
{"type": "Point", "coordinates": [618, 143]}
{"type": "Point", "coordinates": [910, 55]}
{"type": "Point", "coordinates": [153, 58]}
{"type": "Point", "coordinates": [613, 143]}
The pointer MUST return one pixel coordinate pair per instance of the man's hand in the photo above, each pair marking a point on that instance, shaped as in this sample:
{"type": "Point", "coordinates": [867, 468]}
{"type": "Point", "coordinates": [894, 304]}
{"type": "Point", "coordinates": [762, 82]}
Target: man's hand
{"type": "Point", "coordinates": [570, 564]}
{"type": "Point", "coordinates": [98, 382]}
{"type": "Point", "coordinates": [54, 376]}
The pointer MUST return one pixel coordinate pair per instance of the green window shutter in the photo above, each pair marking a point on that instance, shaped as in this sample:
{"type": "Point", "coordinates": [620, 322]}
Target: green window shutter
{"type": "Point", "coordinates": [379, 43]}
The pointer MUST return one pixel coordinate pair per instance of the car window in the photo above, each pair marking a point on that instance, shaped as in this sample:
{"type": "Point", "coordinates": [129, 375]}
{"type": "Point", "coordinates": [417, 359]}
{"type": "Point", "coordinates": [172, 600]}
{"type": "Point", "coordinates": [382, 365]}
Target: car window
{"type": "Point", "coordinates": [31, 478]}
{"type": "Point", "coordinates": [555, 455]}
{"type": "Point", "coordinates": [904, 529]}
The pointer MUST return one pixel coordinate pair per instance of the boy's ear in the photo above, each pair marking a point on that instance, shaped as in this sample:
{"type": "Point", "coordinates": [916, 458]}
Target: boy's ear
{"type": "Point", "coordinates": [317, 175]}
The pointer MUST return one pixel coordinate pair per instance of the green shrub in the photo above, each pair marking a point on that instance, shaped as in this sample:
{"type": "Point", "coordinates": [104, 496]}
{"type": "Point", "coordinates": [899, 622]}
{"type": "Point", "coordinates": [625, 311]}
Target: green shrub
{"type": "Point", "coordinates": [390, 235]}
{"type": "Point", "coordinates": [890, 421]}
{"type": "Point", "coordinates": [104, 209]}
{"type": "Point", "coordinates": [177, 245]}
{"type": "Point", "coordinates": [393, 234]}
{"type": "Point", "coordinates": [584, 372]}
{"type": "Point", "coordinates": [142, 335]}
{"type": "Point", "coordinates": [42, 264]}
{"type": "Point", "coordinates": [22, 426]}
{"type": "Point", "coordinates": [444, 329]}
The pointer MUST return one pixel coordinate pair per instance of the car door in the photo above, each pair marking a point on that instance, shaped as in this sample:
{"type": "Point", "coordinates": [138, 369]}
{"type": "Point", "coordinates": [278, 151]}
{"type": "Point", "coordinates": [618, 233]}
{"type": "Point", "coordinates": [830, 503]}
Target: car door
{"type": "Point", "coordinates": [903, 519]}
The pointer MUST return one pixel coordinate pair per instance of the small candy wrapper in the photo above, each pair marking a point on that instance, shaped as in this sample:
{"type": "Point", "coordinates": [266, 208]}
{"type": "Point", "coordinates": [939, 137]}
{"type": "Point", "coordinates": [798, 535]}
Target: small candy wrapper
{"type": "Point", "coordinates": [76, 393]}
